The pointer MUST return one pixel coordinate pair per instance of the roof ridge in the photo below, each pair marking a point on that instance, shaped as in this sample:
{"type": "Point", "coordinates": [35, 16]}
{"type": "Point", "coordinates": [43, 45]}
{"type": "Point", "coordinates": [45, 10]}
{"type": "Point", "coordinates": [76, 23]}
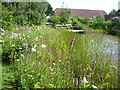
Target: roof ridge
{"type": "Point", "coordinates": [79, 9]}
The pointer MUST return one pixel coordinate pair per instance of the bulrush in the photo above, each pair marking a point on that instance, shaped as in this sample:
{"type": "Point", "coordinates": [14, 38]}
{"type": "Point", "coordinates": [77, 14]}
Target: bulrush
{"type": "Point", "coordinates": [72, 42]}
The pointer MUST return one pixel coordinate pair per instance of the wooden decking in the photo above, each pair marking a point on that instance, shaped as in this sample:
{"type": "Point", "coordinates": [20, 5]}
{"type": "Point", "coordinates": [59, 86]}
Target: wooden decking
{"type": "Point", "coordinates": [78, 31]}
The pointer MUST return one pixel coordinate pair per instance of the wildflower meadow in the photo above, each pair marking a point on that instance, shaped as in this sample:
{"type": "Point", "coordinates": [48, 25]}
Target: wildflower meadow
{"type": "Point", "coordinates": [45, 57]}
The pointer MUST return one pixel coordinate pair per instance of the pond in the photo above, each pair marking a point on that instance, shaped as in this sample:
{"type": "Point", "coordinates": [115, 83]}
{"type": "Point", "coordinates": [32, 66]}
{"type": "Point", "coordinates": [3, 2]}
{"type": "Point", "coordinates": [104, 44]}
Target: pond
{"type": "Point", "coordinates": [107, 45]}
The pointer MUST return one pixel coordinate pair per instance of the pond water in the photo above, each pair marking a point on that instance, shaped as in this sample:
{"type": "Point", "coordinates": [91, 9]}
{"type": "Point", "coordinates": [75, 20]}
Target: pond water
{"type": "Point", "coordinates": [107, 45]}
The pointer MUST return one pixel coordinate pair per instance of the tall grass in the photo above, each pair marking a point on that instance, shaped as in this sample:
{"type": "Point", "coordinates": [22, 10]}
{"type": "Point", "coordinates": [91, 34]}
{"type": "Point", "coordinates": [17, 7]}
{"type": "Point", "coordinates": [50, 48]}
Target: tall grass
{"type": "Point", "coordinates": [42, 58]}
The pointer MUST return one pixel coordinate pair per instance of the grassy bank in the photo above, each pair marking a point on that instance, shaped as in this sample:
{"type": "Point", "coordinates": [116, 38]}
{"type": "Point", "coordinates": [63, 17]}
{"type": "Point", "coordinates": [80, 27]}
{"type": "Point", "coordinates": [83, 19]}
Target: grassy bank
{"type": "Point", "coordinates": [43, 57]}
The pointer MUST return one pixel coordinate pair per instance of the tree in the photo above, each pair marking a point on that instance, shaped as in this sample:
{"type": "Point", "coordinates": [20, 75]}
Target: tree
{"type": "Point", "coordinates": [49, 11]}
{"type": "Point", "coordinates": [6, 17]}
{"type": "Point", "coordinates": [54, 20]}
{"type": "Point", "coordinates": [112, 12]}
{"type": "Point", "coordinates": [27, 12]}
{"type": "Point", "coordinates": [99, 18]}
{"type": "Point", "coordinates": [118, 12]}
{"type": "Point", "coordinates": [64, 16]}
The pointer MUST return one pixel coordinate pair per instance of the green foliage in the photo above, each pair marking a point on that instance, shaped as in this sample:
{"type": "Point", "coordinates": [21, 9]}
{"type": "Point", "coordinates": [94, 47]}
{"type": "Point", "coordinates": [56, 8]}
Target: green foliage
{"type": "Point", "coordinates": [54, 20]}
{"type": "Point", "coordinates": [99, 18]}
{"type": "Point", "coordinates": [7, 17]}
{"type": "Point", "coordinates": [114, 12]}
{"type": "Point", "coordinates": [80, 20]}
{"type": "Point", "coordinates": [64, 17]}
{"type": "Point", "coordinates": [97, 22]}
{"type": "Point", "coordinates": [49, 11]}
{"type": "Point", "coordinates": [113, 26]}
{"type": "Point", "coordinates": [75, 20]}
{"type": "Point", "coordinates": [25, 12]}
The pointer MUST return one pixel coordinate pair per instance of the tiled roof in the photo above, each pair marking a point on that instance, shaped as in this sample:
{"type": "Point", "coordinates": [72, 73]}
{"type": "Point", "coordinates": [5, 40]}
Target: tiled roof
{"type": "Point", "coordinates": [81, 12]}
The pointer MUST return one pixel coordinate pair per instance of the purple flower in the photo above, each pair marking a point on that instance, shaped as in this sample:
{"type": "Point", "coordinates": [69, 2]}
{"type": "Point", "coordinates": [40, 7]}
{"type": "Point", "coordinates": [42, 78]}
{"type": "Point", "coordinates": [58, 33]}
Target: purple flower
{"type": "Point", "coordinates": [39, 63]}
{"type": "Point", "coordinates": [41, 40]}
{"type": "Point", "coordinates": [65, 70]}
{"type": "Point", "coordinates": [88, 75]}
{"type": "Point", "coordinates": [91, 69]}
{"type": "Point", "coordinates": [27, 29]}
{"type": "Point", "coordinates": [27, 58]}
{"type": "Point", "coordinates": [80, 81]}
{"type": "Point", "coordinates": [18, 46]}
{"type": "Point", "coordinates": [72, 42]}
{"type": "Point", "coordinates": [76, 82]}
{"type": "Point", "coordinates": [68, 62]}
{"type": "Point", "coordinates": [14, 57]}
{"type": "Point", "coordinates": [15, 53]}
{"type": "Point", "coordinates": [49, 49]}
{"type": "Point", "coordinates": [73, 75]}
{"type": "Point", "coordinates": [21, 28]}
{"type": "Point", "coordinates": [27, 49]}
{"type": "Point", "coordinates": [94, 62]}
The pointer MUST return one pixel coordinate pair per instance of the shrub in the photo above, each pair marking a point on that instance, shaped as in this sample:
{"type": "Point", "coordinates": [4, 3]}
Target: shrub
{"type": "Point", "coordinates": [54, 20]}
{"type": "Point", "coordinates": [64, 17]}
{"type": "Point", "coordinates": [7, 18]}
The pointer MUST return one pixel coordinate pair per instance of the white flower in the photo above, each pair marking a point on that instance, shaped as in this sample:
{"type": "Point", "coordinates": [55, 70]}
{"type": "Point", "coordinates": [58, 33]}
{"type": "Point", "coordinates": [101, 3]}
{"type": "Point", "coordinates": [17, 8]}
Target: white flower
{"type": "Point", "coordinates": [33, 25]}
{"type": "Point", "coordinates": [38, 51]}
{"type": "Point", "coordinates": [23, 38]}
{"type": "Point", "coordinates": [20, 48]}
{"type": "Point", "coordinates": [35, 46]}
{"type": "Point", "coordinates": [13, 45]}
{"type": "Point", "coordinates": [43, 45]}
{"type": "Point", "coordinates": [28, 36]}
{"type": "Point", "coordinates": [17, 60]}
{"type": "Point", "coordinates": [33, 50]}
{"type": "Point", "coordinates": [94, 86]}
{"type": "Point", "coordinates": [59, 60]}
{"type": "Point", "coordinates": [84, 80]}
{"type": "Point", "coordinates": [22, 55]}
{"type": "Point", "coordinates": [23, 34]}
{"type": "Point", "coordinates": [16, 28]}
{"type": "Point", "coordinates": [11, 36]}
{"type": "Point", "coordinates": [20, 38]}
{"type": "Point", "coordinates": [53, 63]}
{"type": "Point", "coordinates": [51, 69]}
{"type": "Point", "coordinates": [36, 38]}
{"type": "Point", "coordinates": [1, 41]}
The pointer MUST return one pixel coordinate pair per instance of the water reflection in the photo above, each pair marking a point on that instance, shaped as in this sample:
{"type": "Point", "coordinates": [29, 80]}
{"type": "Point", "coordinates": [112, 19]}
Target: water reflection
{"type": "Point", "coordinates": [107, 45]}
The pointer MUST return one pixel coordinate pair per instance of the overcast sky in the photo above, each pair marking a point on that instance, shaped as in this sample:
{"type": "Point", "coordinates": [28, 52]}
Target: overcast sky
{"type": "Point", "coordinates": [106, 5]}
